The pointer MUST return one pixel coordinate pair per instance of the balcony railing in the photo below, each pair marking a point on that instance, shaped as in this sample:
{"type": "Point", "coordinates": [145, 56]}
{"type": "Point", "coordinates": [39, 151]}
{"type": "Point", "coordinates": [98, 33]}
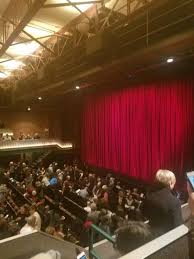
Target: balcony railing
{"type": "Point", "coordinates": [33, 143]}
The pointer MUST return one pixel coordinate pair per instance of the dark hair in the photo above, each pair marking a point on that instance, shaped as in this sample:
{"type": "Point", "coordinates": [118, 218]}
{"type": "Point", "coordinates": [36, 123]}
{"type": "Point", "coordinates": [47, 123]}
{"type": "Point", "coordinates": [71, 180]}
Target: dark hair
{"type": "Point", "coordinates": [3, 224]}
{"type": "Point", "coordinates": [131, 236]}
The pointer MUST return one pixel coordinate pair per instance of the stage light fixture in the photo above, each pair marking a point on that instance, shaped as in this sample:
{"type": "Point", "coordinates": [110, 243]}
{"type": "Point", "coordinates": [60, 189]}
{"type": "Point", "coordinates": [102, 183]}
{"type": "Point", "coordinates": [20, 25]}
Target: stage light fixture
{"type": "Point", "coordinates": [77, 87]}
{"type": "Point", "coordinates": [39, 98]}
{"type": "Point", "coordinates": [29, 109]}
{"type": "Point", "coordinates": [170, 60]}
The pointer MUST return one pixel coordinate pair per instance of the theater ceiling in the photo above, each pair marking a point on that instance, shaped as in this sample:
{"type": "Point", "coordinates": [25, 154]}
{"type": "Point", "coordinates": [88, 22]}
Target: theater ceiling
{"type": "Point", "coordinates": [44, 43]}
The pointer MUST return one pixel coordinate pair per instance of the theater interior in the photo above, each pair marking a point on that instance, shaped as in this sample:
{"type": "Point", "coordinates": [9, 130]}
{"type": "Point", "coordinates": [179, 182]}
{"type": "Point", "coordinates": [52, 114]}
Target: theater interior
{"type": "Point", "coordinates": [96, 129]}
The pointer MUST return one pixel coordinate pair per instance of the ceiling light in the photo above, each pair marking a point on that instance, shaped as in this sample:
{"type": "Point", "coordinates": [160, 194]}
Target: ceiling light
{"type": "Point", "coordinates": [37, 31]}
{"type": "Point", "coordinates": [77, 87]}
{"type": "Point", "coordinates": [12, 64]}
{"type": "Point", "coordinates": [23, 49]}
{"type": "Point", "coordinates": [3, 75]}
{"type": "Point", "coordinates": [82, 7]}
{"type": "Point", "coordinates": [170, 60]}
{"type": "Point", "coordinates": [28, 109]}
{"type": "Point", "coordinates": [39, 98]}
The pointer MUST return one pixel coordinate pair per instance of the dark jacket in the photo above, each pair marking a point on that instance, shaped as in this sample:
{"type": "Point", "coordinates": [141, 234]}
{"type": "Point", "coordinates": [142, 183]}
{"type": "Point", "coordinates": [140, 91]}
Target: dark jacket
{"type": "Point", "coordinates": [163, 210]}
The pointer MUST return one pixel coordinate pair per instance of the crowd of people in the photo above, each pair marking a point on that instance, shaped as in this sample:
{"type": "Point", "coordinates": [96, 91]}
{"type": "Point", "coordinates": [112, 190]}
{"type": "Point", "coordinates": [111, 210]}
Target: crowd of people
{"type": "Point", "coordinates": [105, 200]}
{"type": "Point", "coordinates": [22, 136]}
{"type": "Point", "coordinates": [33, 197]}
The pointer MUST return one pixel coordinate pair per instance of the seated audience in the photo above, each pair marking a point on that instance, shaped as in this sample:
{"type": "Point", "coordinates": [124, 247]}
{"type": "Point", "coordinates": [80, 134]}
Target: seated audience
{"type": "Point", "coordinates": [65, 199]}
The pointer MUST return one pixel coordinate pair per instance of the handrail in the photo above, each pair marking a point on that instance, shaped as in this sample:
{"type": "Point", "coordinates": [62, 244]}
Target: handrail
{"type": "Point", "coordinates": [157, 244]}
{"type": "Point", "coordinates": [93, 229]}
{"type": "Point", "coordinates": [33, 143]}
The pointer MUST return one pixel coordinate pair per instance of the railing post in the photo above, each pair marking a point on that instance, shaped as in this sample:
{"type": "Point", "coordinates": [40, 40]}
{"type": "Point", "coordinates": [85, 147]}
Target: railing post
{"type": "Point", "coordinates": [91, 240]}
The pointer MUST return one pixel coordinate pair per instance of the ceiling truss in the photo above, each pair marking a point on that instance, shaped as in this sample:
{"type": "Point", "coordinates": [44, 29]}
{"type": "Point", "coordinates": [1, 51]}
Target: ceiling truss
{"type": "Point", "coordinates": [26, 10]}
{"type": "Point", "coordinates": [99, 17]}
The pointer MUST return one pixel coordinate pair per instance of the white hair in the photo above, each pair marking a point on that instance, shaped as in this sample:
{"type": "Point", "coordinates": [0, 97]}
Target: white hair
{"type": "Point", "coordinates": [51, 254]}
{"type": "Point", "coordinates": [165, 177]}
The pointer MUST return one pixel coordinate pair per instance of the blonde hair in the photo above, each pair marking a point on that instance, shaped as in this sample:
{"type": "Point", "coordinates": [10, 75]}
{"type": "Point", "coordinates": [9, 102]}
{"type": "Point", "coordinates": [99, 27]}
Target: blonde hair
{"type": "Point", "coordinates": [165, 177]}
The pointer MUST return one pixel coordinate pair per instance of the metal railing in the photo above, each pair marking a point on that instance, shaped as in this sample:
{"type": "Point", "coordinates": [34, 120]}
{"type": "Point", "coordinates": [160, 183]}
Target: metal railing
{"type": "Point", "coordinates": [93, 230]}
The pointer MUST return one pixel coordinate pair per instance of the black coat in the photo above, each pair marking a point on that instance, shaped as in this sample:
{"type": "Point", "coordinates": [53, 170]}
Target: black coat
{"type": "Point", "coordinates": [163, 210]}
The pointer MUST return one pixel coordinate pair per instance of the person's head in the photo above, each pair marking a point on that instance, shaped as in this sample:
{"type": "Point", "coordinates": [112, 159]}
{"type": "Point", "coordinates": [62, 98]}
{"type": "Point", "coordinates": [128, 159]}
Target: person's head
{"type": "Point", "coordinates": [32, 209]}
{"type": "Point", "coordinates": [132, 236]}
{"type": "Point", "coordinates": [33, 193]}
{"type": "Point", "coordinates": [50, 230]}
{"type": "Point", "coordinates": [31, 221]}
{"type": "Point", "coordinates": [22, 210]}
{"type": "Point", "coordinates": [104, 188]}
{"type": "Point", "coordinates": [68, 178]}
{"type": "Point", "coordinates": [121, 194]}
{"type": "Point", "coordinates": [104, 220]}
{"type": "Point", "coordinates": [99, 184]}
{"type": "Point", "coordinates": [98, 179]}
{"type": "Point", "coordinates": [47, 208]}
{"type": "Point", "coordinates": [3, 224]}
{"type": "Point", "coordinates": [88, 203]}
{"type": "Point", "coordinates": [93, 207]}
{"type": "Point", "coordinates": [165, 178]}
{"type": "Point", "coordinates": [130, 197]}
{"type": "Point", "coordinates": [128, 192]}
{"type": "Point", "coordinates": [103, 213]}
{"type": "Point", "coordinates": [51, 254]}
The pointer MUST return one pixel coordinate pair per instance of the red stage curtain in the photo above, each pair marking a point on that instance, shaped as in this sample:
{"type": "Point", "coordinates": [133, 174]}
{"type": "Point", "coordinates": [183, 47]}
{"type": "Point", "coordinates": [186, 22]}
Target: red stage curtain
{"type": "Point", "coordinates": [136, 131]}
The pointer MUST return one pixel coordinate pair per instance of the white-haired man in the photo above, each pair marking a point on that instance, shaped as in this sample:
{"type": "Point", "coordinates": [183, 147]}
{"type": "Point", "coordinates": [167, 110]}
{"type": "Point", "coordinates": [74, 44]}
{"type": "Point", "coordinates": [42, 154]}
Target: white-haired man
{"type": "Point", "coordinates": [161, 207]}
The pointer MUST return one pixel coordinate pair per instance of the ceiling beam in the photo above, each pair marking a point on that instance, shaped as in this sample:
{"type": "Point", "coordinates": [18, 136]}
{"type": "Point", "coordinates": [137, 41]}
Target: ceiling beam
{"type": "Point", "coordinates": [29, 40]}
{"type": "Point", "coordinates": [79, 10]}
{"type": "Point", "coordinates": [39, 42]}
{"type": "Point", "coordinates": [10, 56]}
{"type": "Point", "coordinates": [25, 20]}
{"type": "Point", "coordinates": [70, 4]}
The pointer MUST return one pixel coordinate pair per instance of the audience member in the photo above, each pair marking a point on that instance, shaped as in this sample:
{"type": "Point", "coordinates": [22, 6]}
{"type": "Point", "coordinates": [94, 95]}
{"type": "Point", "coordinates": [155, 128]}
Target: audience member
{"type": "Point", "coordinates": [4, 232]}
{"type": "Point", "coordinates": [30, 225]}
{"type": "Point", "coordinates": [132, 236]}
{"type": "Point", "coordinates": [33, 212]}
{"type": "Point", "coordinates": [162, 208]}
{"type": "Point", "coordinates": [93, 216]}
{"type": "Point", "coordinates": [84, 192]}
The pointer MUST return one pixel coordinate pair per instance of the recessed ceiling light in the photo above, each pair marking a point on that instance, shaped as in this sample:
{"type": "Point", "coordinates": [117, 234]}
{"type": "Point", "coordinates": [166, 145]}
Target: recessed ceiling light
{"type": "Point", "coordinates": [77, 87]}
{"type": "Point", "coordinates": [29, 109]}
{"type": "Point", "coordinates": [39, 98]}
{"type": "Point", "coordinates": [170, 60]}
